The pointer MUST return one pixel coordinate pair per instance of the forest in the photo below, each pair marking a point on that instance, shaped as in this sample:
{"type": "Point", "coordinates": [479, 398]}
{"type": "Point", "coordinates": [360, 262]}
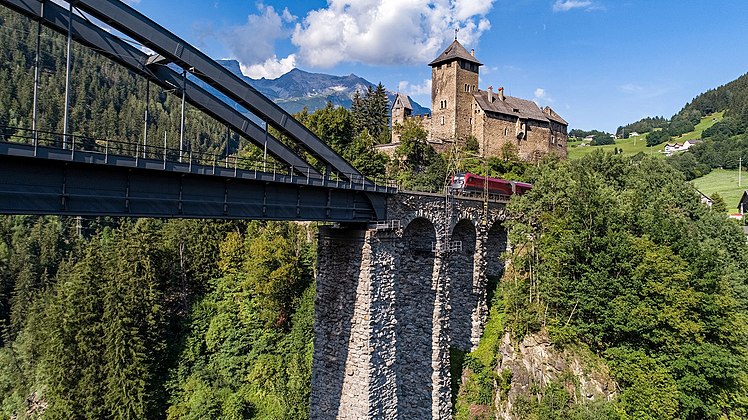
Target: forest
{"type": "Point", "coordinates": [194, 319]}
{"type": "Point", "coordinates": [618, 257]}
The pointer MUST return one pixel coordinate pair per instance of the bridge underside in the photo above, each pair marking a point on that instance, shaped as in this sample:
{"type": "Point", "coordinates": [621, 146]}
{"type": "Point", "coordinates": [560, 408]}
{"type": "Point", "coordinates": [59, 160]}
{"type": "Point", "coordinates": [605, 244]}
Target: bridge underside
{"type": "Point", "coordinates": [93, 184]}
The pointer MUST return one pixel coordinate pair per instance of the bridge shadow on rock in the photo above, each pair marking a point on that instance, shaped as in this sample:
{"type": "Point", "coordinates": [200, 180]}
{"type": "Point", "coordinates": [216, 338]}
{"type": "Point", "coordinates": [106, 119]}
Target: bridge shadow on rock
{"type": "Point", "coordinates": [335, 322]}
{"type": "Point", "coordinates": [464, 296]}
{"type": "Point", "coordinates": [496, 245]}
{"type": "Point", "coordinates": [415, 297]}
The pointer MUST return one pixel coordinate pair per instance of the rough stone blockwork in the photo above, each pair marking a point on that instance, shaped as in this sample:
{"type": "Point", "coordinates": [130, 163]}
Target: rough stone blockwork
{"type": "Point", "coordinates": [391, 303]}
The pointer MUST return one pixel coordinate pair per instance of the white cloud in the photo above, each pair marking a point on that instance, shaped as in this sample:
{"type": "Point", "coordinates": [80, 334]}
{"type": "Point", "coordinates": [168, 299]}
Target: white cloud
{"type": "Point", "coordinates": [271, 68]}
{"type": "Point", "coordinates": [287, 16]}
{"type": "Point", "coordinates": [408, 89]}
{"type": "Point", "coordinates": [254, 42]}
{"type": "Point", "coordinates": [131, 2]}
{"type": "Point", "coordinates": [643, 92]}
{"type": "Point", "coordinates": [631, 88]}
{"type": "Point", "coordinates": [566, 5]}
{"type": "Point", "coordinates": [541, 97]}
{"type": "Point", "coordinates": [387, 31]}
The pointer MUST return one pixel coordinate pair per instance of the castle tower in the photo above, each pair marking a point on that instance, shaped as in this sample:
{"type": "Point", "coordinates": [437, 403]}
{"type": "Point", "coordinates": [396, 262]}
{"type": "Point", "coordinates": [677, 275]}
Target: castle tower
{"type": "Point", "coordinates": [401, 109]}
{"type": "Point", "coordinates": [454, 76]}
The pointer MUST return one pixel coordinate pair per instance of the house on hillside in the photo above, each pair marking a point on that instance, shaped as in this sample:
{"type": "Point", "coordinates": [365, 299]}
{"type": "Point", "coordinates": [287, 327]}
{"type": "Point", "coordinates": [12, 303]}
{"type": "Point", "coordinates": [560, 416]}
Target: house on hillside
{"type": "Point", "coordinates": [671, 148]}
{"type": "Point", "coordinates": [705, 199]}
{"type": "Point", "coordinates": [743, 204]}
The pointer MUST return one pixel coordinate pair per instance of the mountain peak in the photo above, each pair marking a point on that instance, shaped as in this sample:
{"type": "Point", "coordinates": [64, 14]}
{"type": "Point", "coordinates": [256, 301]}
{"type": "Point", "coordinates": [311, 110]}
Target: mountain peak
{"type": "Point", "coordinates": [298, 89]}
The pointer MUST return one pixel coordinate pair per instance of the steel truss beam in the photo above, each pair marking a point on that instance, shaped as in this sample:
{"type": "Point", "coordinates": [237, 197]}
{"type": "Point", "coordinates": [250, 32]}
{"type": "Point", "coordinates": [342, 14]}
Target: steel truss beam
{"type": "Point", "coordinates": [123, 53]}
{"type": "Point", "coordinates": [55, 182]}
{"type": "Point", "coordinates": [134, 24]}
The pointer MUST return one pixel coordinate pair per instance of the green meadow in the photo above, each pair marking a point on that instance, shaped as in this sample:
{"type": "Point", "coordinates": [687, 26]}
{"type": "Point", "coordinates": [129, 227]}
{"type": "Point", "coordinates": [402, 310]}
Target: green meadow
{"type": "Point", "coordinates": [725, 182]}
{"type": "Point", "coordinates": [637, 144]}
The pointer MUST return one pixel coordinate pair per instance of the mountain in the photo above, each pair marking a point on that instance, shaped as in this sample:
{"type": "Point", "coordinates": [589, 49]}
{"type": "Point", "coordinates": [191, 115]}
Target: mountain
{"type": "Point", "coordinates": [298, 89]}
{"type": "Point", "coordinates": [732, 98]}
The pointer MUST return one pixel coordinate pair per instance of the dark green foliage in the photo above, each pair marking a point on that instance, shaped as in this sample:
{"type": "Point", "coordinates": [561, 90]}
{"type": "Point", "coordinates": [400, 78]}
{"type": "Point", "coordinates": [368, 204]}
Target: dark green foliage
{"type": "Point", "coordinates": [580, 134]}
{"type": "Point", "coordinates": [106, 101]}
{"type": "Point", "coordinates": [724, 129]}
{"type": "Point", "coordinates": [339, 128]}
{"type": "Point", "coordinates": [416, 165]}
{"type": "Point", "coordinates": [602, 139]}
{"type": "Point", "coordinates": [717, 151]}
{"type": "Point", "coordinates": [623, 253]}
{"type": "Point", "coordinates": [137, 318]}
{"type": "Point", "coordinates": [249, 350]}
{"type": "Point", "coordinates": [657, 137]}
{"type": "Point", "coordinates": [718, 203]}
{"type": "Point", "coordinates": [371, 113]}
{"type": "Point", "coordinates": [645, 125]}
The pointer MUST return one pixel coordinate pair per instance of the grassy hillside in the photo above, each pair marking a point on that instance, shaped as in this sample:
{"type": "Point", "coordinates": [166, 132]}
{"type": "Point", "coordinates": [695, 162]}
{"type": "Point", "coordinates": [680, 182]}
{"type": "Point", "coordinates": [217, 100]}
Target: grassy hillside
{"type": "Point", "coordinates": [634, 145]}
{"type": "Point", "coordinates": [725, 182]}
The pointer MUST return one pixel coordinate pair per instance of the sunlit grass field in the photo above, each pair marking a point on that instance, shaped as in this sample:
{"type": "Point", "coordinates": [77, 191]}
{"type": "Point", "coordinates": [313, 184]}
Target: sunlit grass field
{"type": "Point", "coordinates": [725, 182]}
{"type": "Point", "coordinates": [634, 145]}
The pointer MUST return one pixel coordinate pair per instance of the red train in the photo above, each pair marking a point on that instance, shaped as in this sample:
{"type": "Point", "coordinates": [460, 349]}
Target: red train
{"type": "Point", "coordinates": [467, 183]}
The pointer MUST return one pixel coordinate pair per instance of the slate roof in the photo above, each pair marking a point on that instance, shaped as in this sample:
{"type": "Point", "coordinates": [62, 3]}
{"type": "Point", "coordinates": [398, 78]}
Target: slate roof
{"type": "Point", "coordinates": [744, 201]}
{"type": "Point", "coordinates": [511, 106]}
{"type": "Point", "coordinates": [551, 115]}
{"type": "Point", "coordinates": [404, 100]}
{"type": "Point", "coordinates": [453, 52]}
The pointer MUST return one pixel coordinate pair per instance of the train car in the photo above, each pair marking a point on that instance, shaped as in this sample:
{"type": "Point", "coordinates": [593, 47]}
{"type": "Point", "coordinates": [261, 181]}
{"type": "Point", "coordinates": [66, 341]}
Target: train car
{"type": "Point", "coordinates": [521, 187]}
{"type": "Point", "coordinates": [467, 183]}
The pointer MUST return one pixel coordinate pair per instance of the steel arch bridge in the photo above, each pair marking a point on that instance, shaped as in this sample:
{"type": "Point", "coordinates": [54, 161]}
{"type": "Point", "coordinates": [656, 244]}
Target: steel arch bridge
{"type": "Point", "coordinates": [50, 173]}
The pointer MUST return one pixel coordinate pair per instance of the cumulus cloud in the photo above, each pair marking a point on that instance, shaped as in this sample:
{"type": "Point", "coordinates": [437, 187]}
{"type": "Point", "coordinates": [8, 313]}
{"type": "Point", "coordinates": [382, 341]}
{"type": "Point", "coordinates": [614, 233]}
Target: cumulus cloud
{"type": "Point", "coordinates": [254, 42]}
{"type": "Point", "coordinates": [387, 31]}
{"type": "Point", "coordinates": [271, 68]}
{"type": "Point", "coordinates": [410, 89]}
{"type": "Point", "coordinates": [566, 5]}
{"type": "Point", "coordinates": [541, 97]}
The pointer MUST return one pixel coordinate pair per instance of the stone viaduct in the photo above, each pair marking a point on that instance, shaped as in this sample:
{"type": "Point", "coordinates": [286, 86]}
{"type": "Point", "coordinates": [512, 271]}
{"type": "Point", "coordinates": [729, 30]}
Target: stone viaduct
{"type": "Point", "coordinates": [393, 299]}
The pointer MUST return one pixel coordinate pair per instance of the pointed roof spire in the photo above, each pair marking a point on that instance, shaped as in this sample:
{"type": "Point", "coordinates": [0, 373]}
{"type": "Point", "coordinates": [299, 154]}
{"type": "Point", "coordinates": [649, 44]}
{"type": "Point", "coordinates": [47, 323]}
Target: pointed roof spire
{"type": "Point", "coordinates": [403, 100]}
{"type": "Point", "coordinates": [457, 29]}
{"type": "Point", "coordinates": [454, 52]}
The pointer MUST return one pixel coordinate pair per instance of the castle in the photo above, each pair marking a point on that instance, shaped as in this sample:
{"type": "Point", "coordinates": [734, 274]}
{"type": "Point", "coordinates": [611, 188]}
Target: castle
{"type": "Point", "coordinates": [459, 110]}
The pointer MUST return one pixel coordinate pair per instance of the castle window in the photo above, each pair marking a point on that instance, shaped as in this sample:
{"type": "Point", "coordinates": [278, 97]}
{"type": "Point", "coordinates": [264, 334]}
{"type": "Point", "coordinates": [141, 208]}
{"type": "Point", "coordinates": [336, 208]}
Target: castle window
{"type": "Point", "coordinates": [471, 121]}
{"type": "Point", "coordinates": [506, 132]}
{"type": "Point", "coordinates": [442, 120]}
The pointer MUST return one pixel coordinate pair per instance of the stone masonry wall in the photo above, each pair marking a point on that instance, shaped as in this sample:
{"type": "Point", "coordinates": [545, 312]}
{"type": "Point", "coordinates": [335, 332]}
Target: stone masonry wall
{"type": "Point", "coordinates": [388, 308]}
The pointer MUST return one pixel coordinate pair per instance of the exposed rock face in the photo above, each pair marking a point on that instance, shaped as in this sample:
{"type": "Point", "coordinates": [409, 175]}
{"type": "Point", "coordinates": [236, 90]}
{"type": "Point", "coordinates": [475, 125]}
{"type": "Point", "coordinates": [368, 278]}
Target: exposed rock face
{"type": "Point", "coordinates": [535, 363]}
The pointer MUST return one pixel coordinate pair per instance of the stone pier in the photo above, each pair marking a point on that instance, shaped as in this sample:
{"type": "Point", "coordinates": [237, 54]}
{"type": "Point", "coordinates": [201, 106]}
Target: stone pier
{"type": "Point", "coordinates": [392, 300]}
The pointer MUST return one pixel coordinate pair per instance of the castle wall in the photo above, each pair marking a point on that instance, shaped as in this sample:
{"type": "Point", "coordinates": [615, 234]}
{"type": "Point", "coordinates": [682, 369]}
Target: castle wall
{"type": "Point", "coordinates": [494, 131]}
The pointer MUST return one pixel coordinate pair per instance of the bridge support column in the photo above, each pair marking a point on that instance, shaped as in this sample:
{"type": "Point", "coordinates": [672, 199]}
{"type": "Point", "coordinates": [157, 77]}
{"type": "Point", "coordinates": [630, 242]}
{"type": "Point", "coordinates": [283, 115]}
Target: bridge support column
{"type": "Point", "coordinates": [480, 283]}
{"type": "Point", "coordinates": [353, 374]}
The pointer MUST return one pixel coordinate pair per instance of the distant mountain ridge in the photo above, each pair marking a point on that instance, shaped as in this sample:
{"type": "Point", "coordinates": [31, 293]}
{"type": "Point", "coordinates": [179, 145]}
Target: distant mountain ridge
{"type": "Point", "coordinates": [298, 89]}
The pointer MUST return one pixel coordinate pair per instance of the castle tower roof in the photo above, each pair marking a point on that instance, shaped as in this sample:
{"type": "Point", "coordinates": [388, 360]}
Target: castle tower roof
{"type": "Point", "coordinates": [404, 101]}
{"type": "Point", "coordinates": [455, 51]}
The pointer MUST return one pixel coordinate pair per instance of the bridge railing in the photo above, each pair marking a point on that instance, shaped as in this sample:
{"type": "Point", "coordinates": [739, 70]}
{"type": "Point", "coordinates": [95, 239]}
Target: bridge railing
{"type": "Point", "coordinates": [73, 143]}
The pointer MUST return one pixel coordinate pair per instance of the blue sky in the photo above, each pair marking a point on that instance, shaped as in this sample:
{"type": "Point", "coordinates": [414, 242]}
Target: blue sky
{"type": "Point", "coordinates": [598, 63]}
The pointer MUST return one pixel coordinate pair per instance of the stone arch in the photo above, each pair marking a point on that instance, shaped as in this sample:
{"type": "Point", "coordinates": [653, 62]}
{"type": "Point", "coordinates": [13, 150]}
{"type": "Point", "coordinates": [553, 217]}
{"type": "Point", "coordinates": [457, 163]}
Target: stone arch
{"type": "Point", "coordinates": [464, 298]}
{"type": "Point", "coordinates": [496, 245]}
{"type": "Point", "coordinates": [415, 298]}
